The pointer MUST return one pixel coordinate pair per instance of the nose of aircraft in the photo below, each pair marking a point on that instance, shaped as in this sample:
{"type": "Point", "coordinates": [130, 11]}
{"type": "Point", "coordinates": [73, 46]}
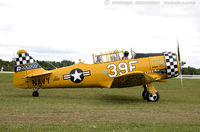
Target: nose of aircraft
{"type": "Point", "coordinates": [172, 65]}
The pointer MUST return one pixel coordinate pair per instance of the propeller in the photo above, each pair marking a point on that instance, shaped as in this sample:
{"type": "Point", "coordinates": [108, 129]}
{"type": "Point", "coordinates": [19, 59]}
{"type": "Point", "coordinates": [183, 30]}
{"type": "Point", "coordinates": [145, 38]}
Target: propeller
{"type": "Point", "coordinates": [180, 64]}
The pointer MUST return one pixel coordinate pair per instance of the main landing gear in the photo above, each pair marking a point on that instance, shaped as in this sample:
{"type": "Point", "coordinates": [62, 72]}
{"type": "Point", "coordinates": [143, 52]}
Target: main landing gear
{"type": "Point", "coordinates": [150, 93]}
{"type": "Point", "coordinates": [35, 92]}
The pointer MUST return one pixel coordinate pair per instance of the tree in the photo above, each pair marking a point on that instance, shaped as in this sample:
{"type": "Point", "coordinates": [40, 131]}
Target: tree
{"type": "Point", "coordinates": [47, 65]}
{"type": "Point", "coordinates": [190, 71]}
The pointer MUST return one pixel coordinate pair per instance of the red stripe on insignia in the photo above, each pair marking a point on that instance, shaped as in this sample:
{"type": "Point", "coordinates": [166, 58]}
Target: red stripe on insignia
{"type": "Point", "coordinates": [66, 76]}
{"type": "Point", "coordinates": [86, 73]}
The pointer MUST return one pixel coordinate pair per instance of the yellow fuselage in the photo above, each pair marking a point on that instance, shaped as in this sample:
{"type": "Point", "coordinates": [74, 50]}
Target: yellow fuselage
{"type": "Point", "coordinates": [94, 75]}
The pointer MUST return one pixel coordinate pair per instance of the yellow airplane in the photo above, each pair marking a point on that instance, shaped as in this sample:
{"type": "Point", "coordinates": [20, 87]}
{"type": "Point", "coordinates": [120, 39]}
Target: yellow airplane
{"type": "Point", "coordinates": [114, 69]}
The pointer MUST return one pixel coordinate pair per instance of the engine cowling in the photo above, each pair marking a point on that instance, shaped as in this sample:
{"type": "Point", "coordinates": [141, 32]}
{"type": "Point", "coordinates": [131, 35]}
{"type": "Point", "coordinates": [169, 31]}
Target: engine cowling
{"type": "Point", "coordinates": [172, 69]}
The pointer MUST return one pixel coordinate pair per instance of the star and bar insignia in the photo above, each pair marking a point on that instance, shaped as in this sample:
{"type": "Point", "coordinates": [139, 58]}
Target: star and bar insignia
{"type": "Point", "coordinates": [76, 75]}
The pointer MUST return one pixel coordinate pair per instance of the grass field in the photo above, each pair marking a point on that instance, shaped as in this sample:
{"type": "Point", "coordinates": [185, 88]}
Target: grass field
{"type": "Point", "coordinates": [100, 110]}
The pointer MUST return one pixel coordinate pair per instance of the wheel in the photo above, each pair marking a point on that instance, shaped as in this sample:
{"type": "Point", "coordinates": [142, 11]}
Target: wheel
{"type": "Point", "coordinates": [35, 94]}
{"type": "Point", "coordinates": [153, 97]}
{"type": "Point", "coordinates": [144, 94]}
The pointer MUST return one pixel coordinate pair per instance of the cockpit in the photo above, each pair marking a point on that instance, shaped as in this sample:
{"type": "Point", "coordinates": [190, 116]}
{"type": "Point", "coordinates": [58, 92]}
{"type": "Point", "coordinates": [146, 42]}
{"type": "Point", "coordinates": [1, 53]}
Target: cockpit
{"type": "Point", "coordinates": [111, 56]}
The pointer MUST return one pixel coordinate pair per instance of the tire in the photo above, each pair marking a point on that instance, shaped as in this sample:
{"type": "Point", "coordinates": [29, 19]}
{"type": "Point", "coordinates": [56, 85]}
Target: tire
{"type": "Point", "coordinates": [35, 94]}
{"type": "Point", "coordinates": [153, 97]}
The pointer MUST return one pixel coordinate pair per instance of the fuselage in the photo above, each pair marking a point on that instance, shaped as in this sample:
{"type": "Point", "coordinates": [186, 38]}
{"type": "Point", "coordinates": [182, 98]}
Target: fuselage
{"type": "Point", "coordinates": [100, 75]}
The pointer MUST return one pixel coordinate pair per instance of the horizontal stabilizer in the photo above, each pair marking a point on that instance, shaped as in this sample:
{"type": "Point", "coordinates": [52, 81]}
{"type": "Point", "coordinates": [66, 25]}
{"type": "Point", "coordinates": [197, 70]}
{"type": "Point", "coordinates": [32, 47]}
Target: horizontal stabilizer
{"type": "Point", "coordinates": [39, 74]}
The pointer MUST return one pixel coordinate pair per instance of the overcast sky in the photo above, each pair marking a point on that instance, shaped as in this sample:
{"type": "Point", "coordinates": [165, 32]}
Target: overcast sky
{"type": "Point", "coordinates": [74, 29]}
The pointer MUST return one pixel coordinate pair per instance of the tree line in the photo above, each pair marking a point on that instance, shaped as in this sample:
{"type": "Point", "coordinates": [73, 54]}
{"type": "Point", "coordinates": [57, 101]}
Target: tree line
{"type": "Point", "coordinates": [49, 65]}
{"type": "Point", "coordinates": [190, 71]}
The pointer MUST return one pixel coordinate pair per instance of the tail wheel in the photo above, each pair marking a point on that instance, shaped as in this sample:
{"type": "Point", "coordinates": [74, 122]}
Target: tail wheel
{"type": "Point", "coordinates": [153, 97]}
{"type": "Point", "coordinates": [35, 94]}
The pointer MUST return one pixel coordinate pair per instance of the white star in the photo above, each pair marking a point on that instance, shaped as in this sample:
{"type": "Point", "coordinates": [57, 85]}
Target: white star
{"type": "Point", "coordinates": [76, 75]}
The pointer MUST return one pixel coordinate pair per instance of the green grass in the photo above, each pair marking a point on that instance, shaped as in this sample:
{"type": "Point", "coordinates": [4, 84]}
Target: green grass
{"type": "Point", "coordinates": [100, 110]}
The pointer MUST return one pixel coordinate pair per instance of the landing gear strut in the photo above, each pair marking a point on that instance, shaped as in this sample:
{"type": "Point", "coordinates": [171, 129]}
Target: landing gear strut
{"type": "Point", "coordinates": [150, 93]}
{"type": "Point", "coordinates": [35, 92]}
{"type": "Point", "coordinates": [144, 93]}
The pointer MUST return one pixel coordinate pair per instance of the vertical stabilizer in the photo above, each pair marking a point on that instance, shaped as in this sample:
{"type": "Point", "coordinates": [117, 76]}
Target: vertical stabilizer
{"type": "Point", "coordinates": [25, 65]}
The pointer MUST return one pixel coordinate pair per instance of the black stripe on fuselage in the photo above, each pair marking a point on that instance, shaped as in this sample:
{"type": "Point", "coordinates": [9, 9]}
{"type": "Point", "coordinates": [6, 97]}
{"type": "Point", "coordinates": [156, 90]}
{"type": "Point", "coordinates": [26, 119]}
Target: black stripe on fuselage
{"type": "Point", "coordinates": [143, 55]}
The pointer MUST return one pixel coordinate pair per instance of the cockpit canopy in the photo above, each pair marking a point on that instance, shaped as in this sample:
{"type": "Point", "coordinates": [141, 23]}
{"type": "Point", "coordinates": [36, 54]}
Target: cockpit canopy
{"type": "Point", "coordinates": [110, 56]}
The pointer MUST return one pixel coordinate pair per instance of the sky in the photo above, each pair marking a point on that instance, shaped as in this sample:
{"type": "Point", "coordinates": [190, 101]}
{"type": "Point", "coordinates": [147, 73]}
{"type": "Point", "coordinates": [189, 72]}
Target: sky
{"type": "Point", "coordinates": [74, 29]}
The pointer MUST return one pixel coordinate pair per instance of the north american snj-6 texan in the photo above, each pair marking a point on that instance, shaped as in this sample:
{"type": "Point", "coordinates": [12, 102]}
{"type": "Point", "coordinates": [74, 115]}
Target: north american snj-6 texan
{"type": "Point", "coordinates": [114, 69]}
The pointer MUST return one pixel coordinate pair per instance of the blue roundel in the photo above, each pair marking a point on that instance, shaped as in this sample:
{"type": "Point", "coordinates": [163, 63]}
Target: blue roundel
{"type": "Point", "coordinates": [76, 75]}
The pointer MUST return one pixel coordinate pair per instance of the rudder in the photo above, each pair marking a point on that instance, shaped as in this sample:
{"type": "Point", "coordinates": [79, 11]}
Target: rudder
{"type": "Point", "coordinates": [25, 65]}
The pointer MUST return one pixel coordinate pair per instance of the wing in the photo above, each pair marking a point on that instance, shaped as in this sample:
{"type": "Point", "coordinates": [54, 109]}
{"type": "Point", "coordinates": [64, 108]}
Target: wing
{"type": "Point", "coordinates": [133, 79]}
{"type": "Point", "coordinates": [38, 74]}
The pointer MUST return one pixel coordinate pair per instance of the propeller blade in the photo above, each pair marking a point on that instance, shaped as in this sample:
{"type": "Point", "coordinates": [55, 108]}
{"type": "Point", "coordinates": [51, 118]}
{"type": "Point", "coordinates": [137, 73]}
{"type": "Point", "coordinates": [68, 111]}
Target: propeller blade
{"type": "Point", "coordinates": [181, 78]}
{"type": "Point", "coordinates": [179, 58]}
